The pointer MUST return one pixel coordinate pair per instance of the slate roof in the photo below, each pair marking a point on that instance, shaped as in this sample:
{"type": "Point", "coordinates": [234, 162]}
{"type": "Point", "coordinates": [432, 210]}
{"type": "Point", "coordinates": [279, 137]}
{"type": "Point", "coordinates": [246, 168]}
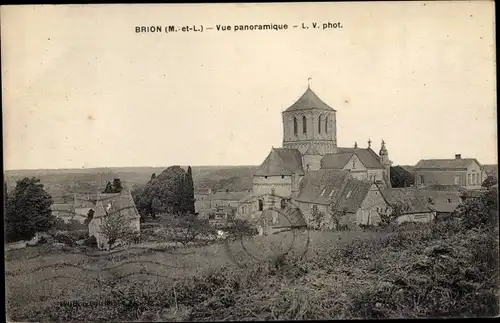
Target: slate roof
{"type": "Point", "coordinates": [115, 203]}
{"type": "Point", "coordinates": [309, 100]}
{"type": "Point", "coordinates": [413, 201]}
{"type": "Point", "coordinates": [281, 161]}
{"type": "Point", "coordinates": [326, 181]}
{"type": "Point", "coordinates": [337, 161]}
{"type": "Point", "coordinates": [462, 163]}
{"type": "Point", "coordinates": [312, 150]}
{"type": "Point", "coordinates": [353, 195]}
{"type": "Point", "coordinates": [285, 218]}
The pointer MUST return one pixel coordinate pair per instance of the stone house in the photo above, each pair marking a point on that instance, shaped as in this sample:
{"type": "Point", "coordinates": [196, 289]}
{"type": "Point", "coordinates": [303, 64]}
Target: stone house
{"type": "Point", "coordinates": [464, 172]}
{"type": "Point", "coordinates": [273, 221]}
{"type": "Point", "coordinates": [108, 206]}
{"type": "Point", "coordinates": [355, 202]}
{"type": "Point", "coordinates": [414, 206]}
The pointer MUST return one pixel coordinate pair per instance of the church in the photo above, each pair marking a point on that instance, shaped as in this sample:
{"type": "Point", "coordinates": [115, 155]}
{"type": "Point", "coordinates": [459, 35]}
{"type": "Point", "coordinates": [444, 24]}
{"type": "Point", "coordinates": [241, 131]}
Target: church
{"type": "Point", "coordinates": [311, 173]}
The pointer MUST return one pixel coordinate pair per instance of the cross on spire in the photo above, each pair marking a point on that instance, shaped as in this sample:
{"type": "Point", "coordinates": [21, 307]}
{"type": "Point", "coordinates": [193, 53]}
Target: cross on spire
{"type": "Point", "coordinates": [369, 143]}
{"type": "Point", "coordinates": [309, 82]}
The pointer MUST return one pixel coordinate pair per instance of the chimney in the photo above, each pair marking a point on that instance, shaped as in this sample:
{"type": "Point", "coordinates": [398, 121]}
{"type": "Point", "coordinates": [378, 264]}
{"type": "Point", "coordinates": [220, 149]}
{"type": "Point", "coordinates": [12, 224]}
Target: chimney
{"type": "Point", "coordinates": [458, 156]}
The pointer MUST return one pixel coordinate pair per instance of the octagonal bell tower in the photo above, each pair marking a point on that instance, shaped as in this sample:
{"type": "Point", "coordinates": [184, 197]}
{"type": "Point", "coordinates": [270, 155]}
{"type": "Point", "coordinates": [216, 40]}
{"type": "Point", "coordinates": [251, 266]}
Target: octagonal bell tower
{"type": "Point", "coordinates": [310, 122]}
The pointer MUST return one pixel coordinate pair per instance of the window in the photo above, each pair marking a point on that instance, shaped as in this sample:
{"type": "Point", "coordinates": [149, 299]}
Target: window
{"type": "Point", "coordinates": [283, 204]}
{"type": "Point", "coordinates": [323, 193]}
{"type": "Point", "coordinates": [457, 180]}
{"type": "Point", "coordinates": [304, 124]}
{"type": "Point", "coordinates": [331, 193]}
{"type": "Point", "coordinates": [315, 208]}
{"type": "Point", "coordinates": [348, 194]}
{"type": "Point", "coordinates": [469, 179]}
{"type": "Point", "coordinates": [319, 124]}
{"type": "Point", "coordinates": [261, 205]}
{"type": "Point", "coordinates": [326, 124]}
{"type": "Point", "coordinates": [354, 163]}
{"type": "Point", "coordinates": [421, 179]}
{"type": "Point", "coordinates": [474, 179]}
{"type": "Point", "coordinates": [295, 127]}
{"type": "Point", "coordinates": [449, 200]}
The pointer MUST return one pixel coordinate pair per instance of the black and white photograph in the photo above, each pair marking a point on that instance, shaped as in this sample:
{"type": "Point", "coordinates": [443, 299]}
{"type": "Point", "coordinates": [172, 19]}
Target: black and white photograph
{"type": "Point", "coordinates": [250, 161]}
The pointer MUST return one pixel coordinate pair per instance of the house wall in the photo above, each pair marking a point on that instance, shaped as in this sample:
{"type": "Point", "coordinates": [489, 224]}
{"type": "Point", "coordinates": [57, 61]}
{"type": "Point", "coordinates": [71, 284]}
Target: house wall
{"type": "Point", "coordinates": [282, 185]}
{"type": "Point", "coordinates": [368, 213]}
{"type": "Point", "coordinates": [418, 217]}
{"type": "Point", "coordinates": [307, 211]}
{"type": "Point", "coordinates": [212, 204]}
{"type": "Point", "coordinates": [440, 177]}
{"type": "Point", "coordinates": [475, 176]}
{"type": "Point", "coordinates": [201, 202]}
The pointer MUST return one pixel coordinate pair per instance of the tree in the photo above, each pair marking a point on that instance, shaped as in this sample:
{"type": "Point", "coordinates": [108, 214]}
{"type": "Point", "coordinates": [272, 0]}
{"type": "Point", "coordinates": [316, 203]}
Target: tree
{"type": "Point", "coordinates": [28, 210]}
{"type": "Point", "coordinates": [318, 219]}
{"type": "Point", "coordinates": [165, 194]}
{"type": "Point", "coordinates": [489, 181]}
{"type": "Point", "coordinates": [153, 176]}
{"type": "Point", "coordinates": [188, 194]}
{"type": "Point", "coordinates": [109, 188]}
{"type": "Point", "coordinates": [117, 185]}
{"type": "Point", "coordinates": [479, 213]}
{"type": "Point", "coordinates": [116, 226]}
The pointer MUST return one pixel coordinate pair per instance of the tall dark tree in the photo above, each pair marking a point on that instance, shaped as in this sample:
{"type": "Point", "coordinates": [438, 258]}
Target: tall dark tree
{"type": "Point", "coordinates": [109, 188]}
{"type": "Point", "coordinates": [117, 185]}
{"type": "Point", "coordinates": [28, 210]}
{"type": "Point", "coordinates": [153, 176]}
{"type": "Point", "coordinates": [188, 198]}
{"type": "Point", "coordinates": [164, 194]}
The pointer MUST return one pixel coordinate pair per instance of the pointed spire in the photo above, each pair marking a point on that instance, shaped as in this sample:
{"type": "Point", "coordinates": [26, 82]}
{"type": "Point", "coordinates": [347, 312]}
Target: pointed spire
{"type": "Point", "coordinates": [369, 143]}
{"type": "Point", "coordinates": [309, 82]}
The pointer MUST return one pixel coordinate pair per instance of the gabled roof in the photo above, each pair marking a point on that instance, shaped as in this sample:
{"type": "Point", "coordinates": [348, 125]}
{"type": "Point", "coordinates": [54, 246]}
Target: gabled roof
{"type": "Point", "coordinates": [309, 100]}
{"type": "Point", "coordinates": [460, 163]}
{"type": "Point", "coordinates": [322, 186]}
{"type": "Point", "coordinates": [335, 161]}
{"type": "Point", "coordinates": [284, 218]}
{"type": "Point", "coordinates": [353, 195]}
{"type": "Point", "coordinates": [410, 198]}
{"type": "Point", "coordinates": [116, 203]}
{"type": "Point", "coordinates": [338, 160]}
{"type": "Point", "coordinates": [281, 161]}
{"type": "Point", "coordinates": [312, 150]}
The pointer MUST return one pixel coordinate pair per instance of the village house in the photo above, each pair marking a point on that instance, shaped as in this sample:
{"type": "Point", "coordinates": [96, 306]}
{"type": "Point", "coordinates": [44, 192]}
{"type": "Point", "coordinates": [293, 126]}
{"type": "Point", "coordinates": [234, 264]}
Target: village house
{"type": "Point", "coordinates": [113, 207]}
{"type": "Point", "coordinates": [273, 221]}
{"type": "Point", "coordinates": [464, 172]}
{"type": "Point", "coordinates": [413, 207]}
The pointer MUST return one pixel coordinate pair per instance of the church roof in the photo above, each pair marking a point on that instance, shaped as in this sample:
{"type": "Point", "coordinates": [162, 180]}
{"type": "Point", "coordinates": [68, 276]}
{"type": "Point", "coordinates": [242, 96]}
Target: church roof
{"type": "Point", "coordinates": [322, 186]}
{"type": "Point", "coordinates": [281, 161]}
{"type": "Point", "coordinates": [461, 163]}
{"type": "Point", "coordinates": [312, 150]}
{"type": "Point", "coordinates": [338, 160]}
{"type": "Point", "coordinates": [309, 100]}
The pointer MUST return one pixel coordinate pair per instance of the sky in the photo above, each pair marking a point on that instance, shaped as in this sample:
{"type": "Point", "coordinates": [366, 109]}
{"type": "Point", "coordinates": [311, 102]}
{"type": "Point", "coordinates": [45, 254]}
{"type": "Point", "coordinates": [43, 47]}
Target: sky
{"type": "Point", "coordinates": [80, 88]}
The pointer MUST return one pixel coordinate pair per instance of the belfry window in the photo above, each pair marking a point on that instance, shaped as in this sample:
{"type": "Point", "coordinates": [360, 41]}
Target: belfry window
{"type": "Point", "coordinates": [304, 125]}
{"type": "Point", "coordinates": [326, 124]}
{"type": "Point", "coordinates": [295, 127]}
{"type": "Point", "coordinates": [319, 124]}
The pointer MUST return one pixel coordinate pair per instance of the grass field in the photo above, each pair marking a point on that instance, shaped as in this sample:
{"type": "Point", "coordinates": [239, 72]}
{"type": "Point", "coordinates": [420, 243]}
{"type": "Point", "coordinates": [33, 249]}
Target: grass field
{"type": "Point", "coordinates": [43, 276]}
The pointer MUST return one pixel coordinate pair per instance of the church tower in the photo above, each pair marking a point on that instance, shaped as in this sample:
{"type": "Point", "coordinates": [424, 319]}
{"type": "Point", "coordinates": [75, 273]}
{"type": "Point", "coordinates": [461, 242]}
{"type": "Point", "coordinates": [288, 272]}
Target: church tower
{"type": "Point", "coordinates": [310, 123]}
{"type": "Point", "coordinates": [386, 162]}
